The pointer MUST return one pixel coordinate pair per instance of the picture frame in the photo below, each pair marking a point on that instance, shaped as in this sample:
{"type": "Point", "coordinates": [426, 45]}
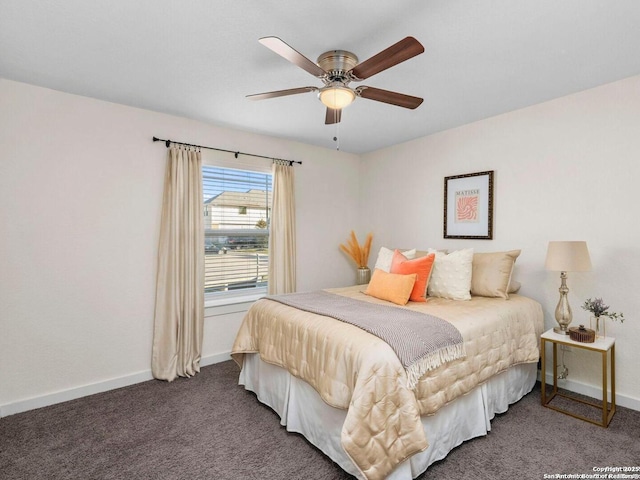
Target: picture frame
{"type": "Point", "coordinates": [468, 206]}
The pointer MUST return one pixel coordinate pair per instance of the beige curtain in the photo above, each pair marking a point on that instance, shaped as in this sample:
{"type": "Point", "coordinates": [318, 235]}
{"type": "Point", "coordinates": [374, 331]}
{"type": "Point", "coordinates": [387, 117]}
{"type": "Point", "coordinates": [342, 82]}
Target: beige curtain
{"type": "Point", "coordinates": [179, 314]}
{"type": "Point", "coordinates": [282, 237]}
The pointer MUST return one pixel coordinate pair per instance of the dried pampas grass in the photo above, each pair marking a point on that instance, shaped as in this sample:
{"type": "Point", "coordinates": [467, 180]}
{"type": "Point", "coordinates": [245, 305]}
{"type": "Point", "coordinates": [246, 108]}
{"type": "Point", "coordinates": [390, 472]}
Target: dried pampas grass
{"type": "Point", "coordinates": [359, 254]}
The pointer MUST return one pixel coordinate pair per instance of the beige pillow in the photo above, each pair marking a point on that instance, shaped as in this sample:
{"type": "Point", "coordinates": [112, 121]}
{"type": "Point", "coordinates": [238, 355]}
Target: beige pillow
{"type": "Point", "coordinates": [514, 286]}
{"type": "Point", "coordinates": [492, 273]}
{"type": "Point", "coordinates": [391, 287]}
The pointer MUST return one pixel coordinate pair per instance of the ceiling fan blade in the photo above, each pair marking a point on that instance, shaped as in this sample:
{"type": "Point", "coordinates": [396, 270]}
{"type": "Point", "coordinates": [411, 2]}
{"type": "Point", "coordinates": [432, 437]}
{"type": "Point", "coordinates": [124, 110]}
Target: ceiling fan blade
{"type": "Point", "coordinates": [397, 53]}
{"type": "Point", "coordinates": [393, 98]}
{"type": "Point", "coordinates": [332, 116]}
{"type": "Point", "coordinates": [295, 57]}
{"type": "Point", "coordinates": [281, 93]}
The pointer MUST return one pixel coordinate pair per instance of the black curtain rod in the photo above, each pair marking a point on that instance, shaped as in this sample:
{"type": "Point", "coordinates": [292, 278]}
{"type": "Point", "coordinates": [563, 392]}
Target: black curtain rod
{"type": "Point", "coordinates": [169, 142]}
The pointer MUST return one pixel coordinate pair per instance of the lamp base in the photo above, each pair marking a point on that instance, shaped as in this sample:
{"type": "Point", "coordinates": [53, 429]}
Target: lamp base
{"type": "Point", "coordinates": [563, 310]}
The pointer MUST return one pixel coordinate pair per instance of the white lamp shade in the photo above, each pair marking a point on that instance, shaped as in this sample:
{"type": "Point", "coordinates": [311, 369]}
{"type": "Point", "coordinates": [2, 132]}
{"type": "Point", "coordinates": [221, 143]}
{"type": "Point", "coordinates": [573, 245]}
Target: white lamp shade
{"type": "Point", "coordinates": [337, 97]}
{"type": "Point", "coordinates": [568, 257]}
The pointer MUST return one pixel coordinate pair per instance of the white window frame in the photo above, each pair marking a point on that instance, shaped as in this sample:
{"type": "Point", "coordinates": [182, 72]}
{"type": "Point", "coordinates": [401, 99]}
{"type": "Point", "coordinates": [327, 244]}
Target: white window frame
{"type": "Point", "coordinates": [214, 158]}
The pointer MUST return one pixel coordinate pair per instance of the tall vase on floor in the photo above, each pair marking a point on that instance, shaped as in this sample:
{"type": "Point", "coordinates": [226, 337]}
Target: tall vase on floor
{"type": "Point", "coordinates": [363, 275]}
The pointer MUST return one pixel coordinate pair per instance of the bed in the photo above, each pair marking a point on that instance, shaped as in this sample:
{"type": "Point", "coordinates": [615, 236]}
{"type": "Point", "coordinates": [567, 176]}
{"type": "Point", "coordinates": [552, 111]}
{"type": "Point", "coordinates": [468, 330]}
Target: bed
{"type": "Point", "coordinates": [348, 393]}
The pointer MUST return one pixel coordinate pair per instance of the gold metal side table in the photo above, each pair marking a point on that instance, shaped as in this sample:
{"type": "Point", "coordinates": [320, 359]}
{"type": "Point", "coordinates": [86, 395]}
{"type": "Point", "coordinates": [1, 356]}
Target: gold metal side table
{"type": "Point", "coordinates": [601, 345]}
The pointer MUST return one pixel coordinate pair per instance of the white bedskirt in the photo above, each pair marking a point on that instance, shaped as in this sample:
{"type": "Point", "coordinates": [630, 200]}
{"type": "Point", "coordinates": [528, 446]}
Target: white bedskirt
{"type": "Point", "coordinates": [302, 411]}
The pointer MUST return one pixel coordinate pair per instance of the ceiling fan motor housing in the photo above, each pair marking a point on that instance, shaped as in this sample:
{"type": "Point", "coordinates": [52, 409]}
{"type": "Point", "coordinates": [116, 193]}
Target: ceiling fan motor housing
{"type": "Point", "coordinates": [337, 64]}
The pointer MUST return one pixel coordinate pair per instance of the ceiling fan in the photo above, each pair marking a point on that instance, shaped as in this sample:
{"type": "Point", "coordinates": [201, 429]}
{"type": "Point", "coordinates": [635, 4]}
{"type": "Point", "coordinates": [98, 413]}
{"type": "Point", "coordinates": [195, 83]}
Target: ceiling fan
{"type": "Point", "coordinates": [338, 68]}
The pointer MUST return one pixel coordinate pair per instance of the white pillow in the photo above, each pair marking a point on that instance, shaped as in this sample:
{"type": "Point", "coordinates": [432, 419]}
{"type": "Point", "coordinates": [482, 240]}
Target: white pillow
{"type": "Point", "coordinates": [451, 275]}
{"type": "Point", "coordinates": [385, 256]}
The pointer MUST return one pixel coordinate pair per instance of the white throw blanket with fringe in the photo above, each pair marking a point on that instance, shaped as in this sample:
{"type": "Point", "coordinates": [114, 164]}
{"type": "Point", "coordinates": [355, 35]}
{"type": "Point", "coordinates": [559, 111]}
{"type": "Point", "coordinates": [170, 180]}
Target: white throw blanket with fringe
{"type": "Point", "coordinates": [421, 341]}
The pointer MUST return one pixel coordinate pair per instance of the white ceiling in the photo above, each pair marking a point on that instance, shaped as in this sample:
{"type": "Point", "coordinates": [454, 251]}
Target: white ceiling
{"type": "Point", "coordinates": [199, 58]}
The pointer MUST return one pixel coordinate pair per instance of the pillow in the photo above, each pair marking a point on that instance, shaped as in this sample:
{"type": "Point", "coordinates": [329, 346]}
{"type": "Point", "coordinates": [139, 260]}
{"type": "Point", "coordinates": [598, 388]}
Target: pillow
{"type": "Point", "coordinates": [390, 286]}
{"type": "Point", "coordinates": [420, 266]}
{"type": "Point", "coordinates": [385, 256]}
{"type": "Point", "coordinates": [492, 273]}
{"type": "Point", "coordinates": [514, 286]}
{"type": "Point", "coordinates": [451, 275]}
{"type": "Point", "coordinates": [424, 253]}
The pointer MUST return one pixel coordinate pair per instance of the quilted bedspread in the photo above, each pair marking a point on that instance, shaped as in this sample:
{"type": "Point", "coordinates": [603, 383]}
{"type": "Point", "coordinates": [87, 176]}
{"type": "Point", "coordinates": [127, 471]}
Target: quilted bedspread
{"type": "Point", "coordinates": [356, 371]}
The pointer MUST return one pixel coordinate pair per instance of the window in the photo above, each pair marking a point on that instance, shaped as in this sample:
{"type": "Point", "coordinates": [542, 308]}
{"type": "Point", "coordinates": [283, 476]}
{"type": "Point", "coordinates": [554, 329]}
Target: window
{"type": "Point", "coordinates": [236, 225]}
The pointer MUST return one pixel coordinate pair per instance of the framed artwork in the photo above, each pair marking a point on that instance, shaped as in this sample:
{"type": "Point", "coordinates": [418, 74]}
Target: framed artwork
{"type": "Point", "coordinates": [468, 206]}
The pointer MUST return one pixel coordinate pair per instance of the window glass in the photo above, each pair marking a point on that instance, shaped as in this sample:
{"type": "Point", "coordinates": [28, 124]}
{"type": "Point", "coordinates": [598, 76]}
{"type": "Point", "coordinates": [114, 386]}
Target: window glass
{"type": "Point", "coordinates": [236, 223]}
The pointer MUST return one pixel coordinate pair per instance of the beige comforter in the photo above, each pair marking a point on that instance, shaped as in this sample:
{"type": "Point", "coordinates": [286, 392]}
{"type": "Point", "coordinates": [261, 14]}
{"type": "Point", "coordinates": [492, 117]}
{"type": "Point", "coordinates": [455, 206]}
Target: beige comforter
{"type": "Point", "coordinates": [356, 371]}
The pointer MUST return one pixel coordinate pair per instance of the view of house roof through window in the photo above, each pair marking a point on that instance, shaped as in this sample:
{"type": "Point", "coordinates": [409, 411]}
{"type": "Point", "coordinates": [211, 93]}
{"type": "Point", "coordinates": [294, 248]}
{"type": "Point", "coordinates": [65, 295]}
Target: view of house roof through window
{"type": "Point", "coordinates": [237, 214]}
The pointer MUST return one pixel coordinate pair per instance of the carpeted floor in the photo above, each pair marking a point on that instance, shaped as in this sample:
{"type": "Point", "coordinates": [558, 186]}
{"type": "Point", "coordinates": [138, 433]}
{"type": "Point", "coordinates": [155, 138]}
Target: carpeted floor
{"type": "Point", "coordinates": [208, 427]}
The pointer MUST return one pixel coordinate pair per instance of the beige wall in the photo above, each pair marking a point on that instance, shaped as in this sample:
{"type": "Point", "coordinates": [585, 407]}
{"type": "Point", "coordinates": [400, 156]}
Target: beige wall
{"type": "Point", "coordinates": [80, 194]}
{"type": "Point", "coordinates": [77, 288]}
{"type": "Point", "coordinates": [567, 169]}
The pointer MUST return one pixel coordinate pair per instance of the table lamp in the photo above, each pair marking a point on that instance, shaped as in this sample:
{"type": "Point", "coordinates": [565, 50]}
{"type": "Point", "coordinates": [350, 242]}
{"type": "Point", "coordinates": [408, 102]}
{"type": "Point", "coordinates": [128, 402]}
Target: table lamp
{"type": "Point", "coordinates": [566, 257]}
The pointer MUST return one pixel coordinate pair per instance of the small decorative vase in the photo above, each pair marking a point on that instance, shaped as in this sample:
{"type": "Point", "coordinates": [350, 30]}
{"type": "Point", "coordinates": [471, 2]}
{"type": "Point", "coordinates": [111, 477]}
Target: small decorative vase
{"type": "Point", "coordinates": [598, 326]}
{"type": "Point", "coordinates": [363, 275]}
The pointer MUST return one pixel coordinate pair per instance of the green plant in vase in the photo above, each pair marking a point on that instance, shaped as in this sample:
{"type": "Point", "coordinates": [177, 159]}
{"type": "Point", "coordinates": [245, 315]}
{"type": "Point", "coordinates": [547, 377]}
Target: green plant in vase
{"type": "Point", "coordinates": [598, 309]}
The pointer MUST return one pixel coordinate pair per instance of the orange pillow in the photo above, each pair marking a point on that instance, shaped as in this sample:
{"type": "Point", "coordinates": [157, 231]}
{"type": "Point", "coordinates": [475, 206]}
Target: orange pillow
{"type": "Point", "coordinates": [391, 287]}
{"type": "Point", "coordinates": [420, 266]}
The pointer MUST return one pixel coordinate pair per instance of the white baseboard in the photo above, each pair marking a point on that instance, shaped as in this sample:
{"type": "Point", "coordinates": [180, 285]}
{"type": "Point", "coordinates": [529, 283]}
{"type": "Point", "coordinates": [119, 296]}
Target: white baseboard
{"type": "Point", "coordinates": [91, 389]}
{"type": "Point", "coordinates": [217, 358]}
{"type": "Point", "coordinates": [591, 391]}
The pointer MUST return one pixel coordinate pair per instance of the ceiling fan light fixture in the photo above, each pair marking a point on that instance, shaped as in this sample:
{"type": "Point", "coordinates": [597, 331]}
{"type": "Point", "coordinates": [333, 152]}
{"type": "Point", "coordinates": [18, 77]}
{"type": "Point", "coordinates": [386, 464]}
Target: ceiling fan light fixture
{"type": "Point", "coordinates": [336, 97]}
